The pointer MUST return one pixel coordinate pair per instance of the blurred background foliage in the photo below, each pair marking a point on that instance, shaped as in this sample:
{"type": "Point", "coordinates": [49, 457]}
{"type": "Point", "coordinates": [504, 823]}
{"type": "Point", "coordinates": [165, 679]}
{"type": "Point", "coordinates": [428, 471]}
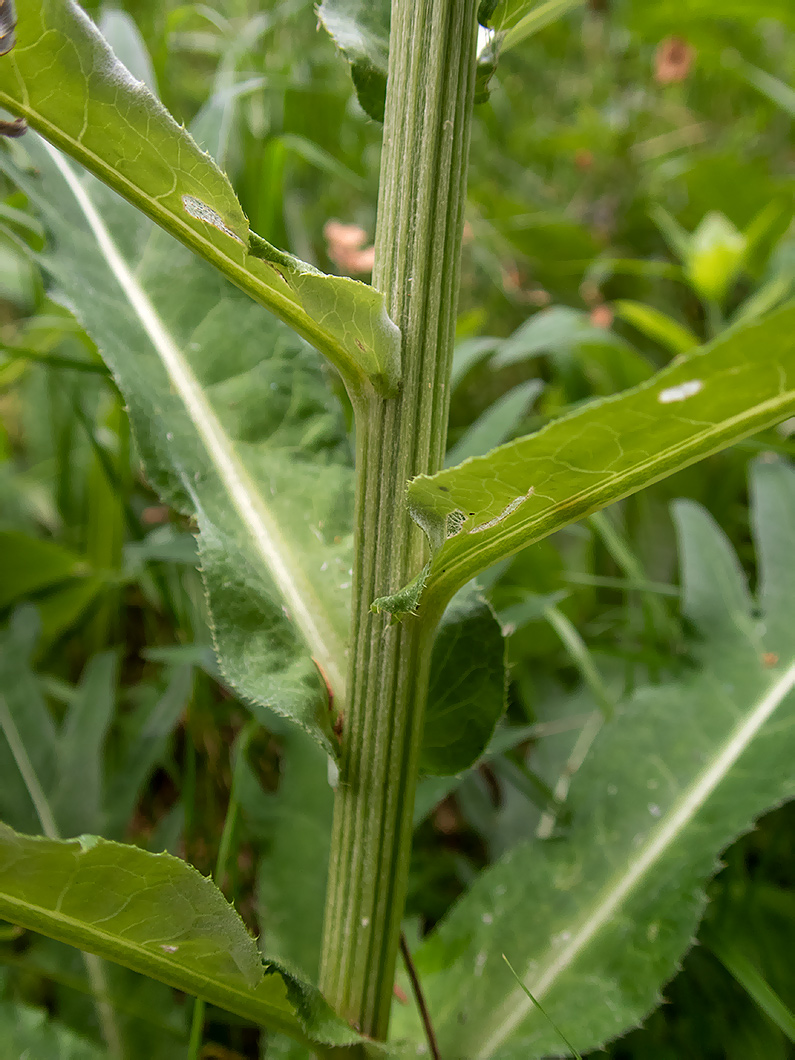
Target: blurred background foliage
{"type": "Point", "coordinates": [631, 195]}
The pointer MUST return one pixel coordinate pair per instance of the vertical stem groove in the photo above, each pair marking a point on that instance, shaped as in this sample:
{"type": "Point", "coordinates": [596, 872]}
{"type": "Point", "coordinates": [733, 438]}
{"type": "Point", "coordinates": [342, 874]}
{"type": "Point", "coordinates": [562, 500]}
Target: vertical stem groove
{"type": "Point", "coordinates": [418, 239]}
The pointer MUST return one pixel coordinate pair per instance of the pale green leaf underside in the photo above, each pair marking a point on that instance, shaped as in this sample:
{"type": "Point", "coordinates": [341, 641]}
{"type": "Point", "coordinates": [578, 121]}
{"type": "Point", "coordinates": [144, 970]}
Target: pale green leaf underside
{"type": "Point", "coordinates": [597, 921]}
{"type": "Point", "coordinates": [66, 82]}
{"type": "Point", "coordinates": [516, 20]}
{"type": "Point", "coordinates": [491, 506]}
{"type": "Point", "coordinates": [235, 424]}
{"type": "Point", "coordinates": [159, 916]}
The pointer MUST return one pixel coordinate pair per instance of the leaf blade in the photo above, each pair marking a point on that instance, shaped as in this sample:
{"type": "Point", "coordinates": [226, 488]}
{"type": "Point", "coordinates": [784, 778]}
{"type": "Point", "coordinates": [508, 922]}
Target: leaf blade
{"type": "Point", "coordinates": [467, 695]}
{"type": "Point", "coordinates": [599, 919]}
{"type": "Point", "coordinates": [150, 912]}
{"type": "Point", "coordinates": [606, 450]}
{"type": "Point", "coordinates": [301, 599]}
{"type": "Point", "coordinates": [64, 80]}
{"type": "Point", "coordinates": [235, 424]}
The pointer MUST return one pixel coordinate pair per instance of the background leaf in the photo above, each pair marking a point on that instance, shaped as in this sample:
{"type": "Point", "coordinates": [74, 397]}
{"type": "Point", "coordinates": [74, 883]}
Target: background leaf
{"type": "Point", "coordinates": [598, 919]}
{"type": "Point", "coordinates": [143, 750]}
{"type": "Point", "coordinates": [28, 564]}
{"type": "Point", "coordinates": [27, 707]}
{"type": "Point", "coordinates": [81, 783]}
{"type": "Point", "coordinates": [516, 20]}
{"type": "Point", "coordinates": [294, 825]}
{"type": "Point", "coordinates": [497, 424]}
{"type": "Point", "coordinates": [78, 794]}
{"type": "Point", "coordinates": [27, 1032]}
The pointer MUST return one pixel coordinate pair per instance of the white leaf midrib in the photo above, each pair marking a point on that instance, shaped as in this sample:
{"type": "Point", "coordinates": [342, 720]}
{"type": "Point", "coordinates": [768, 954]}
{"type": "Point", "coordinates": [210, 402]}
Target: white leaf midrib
{"type": "Point", "coordinates": [304, 606]}
{"type": "Point", "coordinates": [517, 1005]}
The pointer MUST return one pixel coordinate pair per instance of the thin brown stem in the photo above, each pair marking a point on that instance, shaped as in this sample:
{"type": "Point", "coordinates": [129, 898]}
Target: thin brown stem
{"type": "Point", "coordinates": [419, 997]}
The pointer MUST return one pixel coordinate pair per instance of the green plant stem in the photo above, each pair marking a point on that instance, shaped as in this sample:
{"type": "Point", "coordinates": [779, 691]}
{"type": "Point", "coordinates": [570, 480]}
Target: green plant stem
{"type": "Point", "coordinates": [714, 319]}
{"type": "Point", "coordinates": [418, 240]}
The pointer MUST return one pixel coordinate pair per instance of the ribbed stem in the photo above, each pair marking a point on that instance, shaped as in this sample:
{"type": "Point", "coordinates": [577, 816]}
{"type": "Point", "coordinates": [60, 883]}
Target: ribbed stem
{"type": "Point", "coordinates": [418, 239]}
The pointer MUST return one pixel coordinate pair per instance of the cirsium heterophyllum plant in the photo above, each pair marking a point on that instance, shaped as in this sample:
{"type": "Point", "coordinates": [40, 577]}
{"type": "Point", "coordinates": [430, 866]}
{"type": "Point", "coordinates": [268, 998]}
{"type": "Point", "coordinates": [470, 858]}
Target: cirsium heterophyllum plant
{"type": "Point", "coordinates": [340, 591]}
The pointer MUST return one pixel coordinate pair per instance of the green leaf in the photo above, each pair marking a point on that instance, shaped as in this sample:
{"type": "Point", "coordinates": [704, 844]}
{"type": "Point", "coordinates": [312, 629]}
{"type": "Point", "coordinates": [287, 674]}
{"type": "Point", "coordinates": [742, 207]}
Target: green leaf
{"type": "Point", "coordinates": [471, 352]}
{"type": "Point", "coordinates": [21, 697]}
{"type": "Point", "coordinates": [59, 772]}
{"type": "Point", "coordinates": [597, 921]}
{"type": "Point", "coordinates": [431, 790]}
{"type": "Point", "coordinates": [516, 20]}
{"type": "Point", "coordinates": [28, 565]}
{"type": "Point", "coordinates": [770, 295]}
{"type": "Point", "coordinates": [295, 826]}
{"type": "Point", "coordinates": [668, 16]}
{"type": "Point", "coordinates": [557, 330]}
{"type": "Point", "coordinates": [749, 977]}
{"type": "Point", "coordinates": [30, 1033]}
{"type": "Point", "coordinates": [360, 29]}
{"type": "Point", "coordinates": [777, 91]}
{"type": "Point", "coordinates": [486, 10]}
{"type": "Point", "coordinates": [120, 31]}
{"type": "Point", "coordinates": [77, 787]}
{"type": "Point", "coordinates": [656, 325]}
{"type": "Point", "coordinates": [488, 508]}
{"type": "Point", "coordinates": [144, 750]}
{"type": "Point", "coordinates": [234, 422]}
{"type": "Point", "coordinates": [712, 255]}
{"type": "Point", "coordinates": [606, 360]}
{"type": "Point", "coordinates": [466, 697]}
{"type": "Point", "coordinates": [61, 609]}
{"type": "Point", "coordinates": [497, 423]}
{"type": "Point", "coordinates": [63, 79]}
{"type": "Point", "coordinates": [159, 916]}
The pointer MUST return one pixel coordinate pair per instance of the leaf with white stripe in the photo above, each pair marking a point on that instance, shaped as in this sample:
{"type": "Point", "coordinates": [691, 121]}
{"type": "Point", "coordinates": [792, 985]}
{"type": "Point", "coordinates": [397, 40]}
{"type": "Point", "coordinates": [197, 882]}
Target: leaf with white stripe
{"type": "Point", "coordinates": [235, 425]}
{"type": "Point", "coordinates": [597, 922]}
